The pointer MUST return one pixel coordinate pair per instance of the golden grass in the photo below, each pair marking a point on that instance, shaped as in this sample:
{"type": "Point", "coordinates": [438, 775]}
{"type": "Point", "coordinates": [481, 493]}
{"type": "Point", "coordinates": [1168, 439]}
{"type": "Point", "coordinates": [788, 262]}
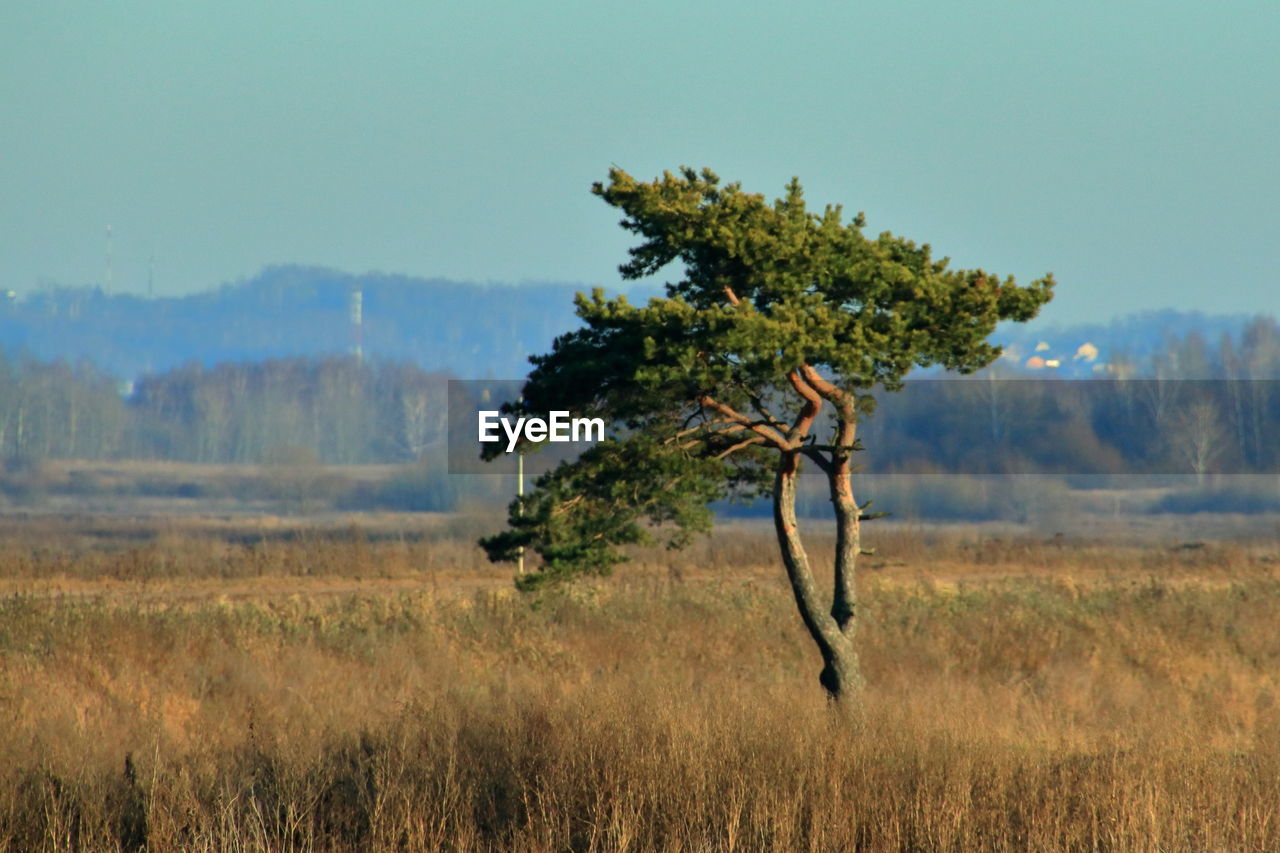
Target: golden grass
{"type": "Point", "coordinates": [1024, 694]}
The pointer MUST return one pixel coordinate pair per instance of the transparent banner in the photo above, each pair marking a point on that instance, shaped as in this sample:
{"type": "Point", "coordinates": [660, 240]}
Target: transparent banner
{"type": "Point", "coordinates": [973, 426]}
{"type": "Point", "coordinates": [477, 423]}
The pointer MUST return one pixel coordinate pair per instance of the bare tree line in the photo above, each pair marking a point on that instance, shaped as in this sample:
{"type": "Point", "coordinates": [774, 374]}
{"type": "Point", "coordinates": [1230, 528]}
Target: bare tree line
{"type": "Point", "coordinates": [1190, 408]}
{"type": "Point", "coordinates": [338, 409]}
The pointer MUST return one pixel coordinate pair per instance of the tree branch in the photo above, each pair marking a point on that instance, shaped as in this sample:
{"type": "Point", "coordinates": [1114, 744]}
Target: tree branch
{"type": "Point", "coordinates": [812, 405]}
{"type": "Point", "coordinates": [764, 430]}
{"type": "Point", "coordinates": [755, 439]}
{"type": "Point", "coordinates": [814, 453]}
{"type": "Point", "coordinates": [709, 425]}
{"type": "Point", "coordinates": [764, 412]}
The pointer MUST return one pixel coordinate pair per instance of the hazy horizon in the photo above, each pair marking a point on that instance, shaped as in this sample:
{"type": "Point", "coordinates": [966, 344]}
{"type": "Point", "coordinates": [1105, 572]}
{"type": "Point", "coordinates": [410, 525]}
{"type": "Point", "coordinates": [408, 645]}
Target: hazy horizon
{"type": "Point", "coordinates": [1045, 322]}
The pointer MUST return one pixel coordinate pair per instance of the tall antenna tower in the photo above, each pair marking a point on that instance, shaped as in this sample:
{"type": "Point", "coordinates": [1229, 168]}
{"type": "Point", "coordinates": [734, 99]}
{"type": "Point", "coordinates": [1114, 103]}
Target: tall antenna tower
{"type": "Point", "coordinates": [107, 282]}
{"type": "Point", "coordinates": [357, 324]}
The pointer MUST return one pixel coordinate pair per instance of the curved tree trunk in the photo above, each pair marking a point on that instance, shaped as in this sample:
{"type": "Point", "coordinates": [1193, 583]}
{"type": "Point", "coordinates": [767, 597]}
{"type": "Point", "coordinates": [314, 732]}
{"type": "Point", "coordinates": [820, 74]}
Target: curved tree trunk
{"type": "Point", "coordinates": [841, 674]}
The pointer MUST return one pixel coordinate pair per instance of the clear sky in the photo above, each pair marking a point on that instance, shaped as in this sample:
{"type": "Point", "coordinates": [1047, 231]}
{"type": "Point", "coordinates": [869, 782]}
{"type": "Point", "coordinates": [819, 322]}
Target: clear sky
{"type": "Point", "coordinates": [1129, 147]}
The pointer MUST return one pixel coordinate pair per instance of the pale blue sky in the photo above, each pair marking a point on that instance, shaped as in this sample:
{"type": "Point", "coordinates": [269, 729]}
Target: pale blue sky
{"type": "Point", "coordinates": [1128, 147]}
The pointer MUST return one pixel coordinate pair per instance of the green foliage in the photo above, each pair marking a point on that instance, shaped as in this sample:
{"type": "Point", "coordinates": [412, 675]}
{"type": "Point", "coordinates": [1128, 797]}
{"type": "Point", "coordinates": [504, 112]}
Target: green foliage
{"type": "Point", "coordinates": [813, 289]}
{"type": "Point", "coordinates": [696, 383]}
{"type": "Point", "coordinates": [579, 512]}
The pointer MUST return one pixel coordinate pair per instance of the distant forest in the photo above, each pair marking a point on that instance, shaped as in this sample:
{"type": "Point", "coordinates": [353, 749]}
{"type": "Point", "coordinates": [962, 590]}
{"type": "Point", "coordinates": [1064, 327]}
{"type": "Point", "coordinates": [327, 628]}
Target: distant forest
{"type": "Point", "coordinates": [343, 410]}
{"type": "Point", "coordinates": [338, 410]}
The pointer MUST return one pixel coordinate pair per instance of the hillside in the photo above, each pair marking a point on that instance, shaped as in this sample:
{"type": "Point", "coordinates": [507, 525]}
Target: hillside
{"type": "Point", "coordinates": [470, 330]}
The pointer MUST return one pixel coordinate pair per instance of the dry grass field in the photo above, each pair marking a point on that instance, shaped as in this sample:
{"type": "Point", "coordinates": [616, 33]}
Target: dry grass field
{"type": "Point", "coordinates": [247, 685]}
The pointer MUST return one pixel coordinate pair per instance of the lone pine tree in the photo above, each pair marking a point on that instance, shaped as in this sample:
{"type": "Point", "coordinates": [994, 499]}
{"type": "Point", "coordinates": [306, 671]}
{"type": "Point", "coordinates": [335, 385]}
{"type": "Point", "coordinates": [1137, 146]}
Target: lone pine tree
{"type": "Point", "coordinates": [764, 354]}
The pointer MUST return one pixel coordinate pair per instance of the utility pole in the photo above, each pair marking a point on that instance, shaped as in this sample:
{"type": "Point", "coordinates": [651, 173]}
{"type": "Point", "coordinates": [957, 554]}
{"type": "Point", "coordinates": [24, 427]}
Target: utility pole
{"type": "Point", "coordinates": [519, 496]}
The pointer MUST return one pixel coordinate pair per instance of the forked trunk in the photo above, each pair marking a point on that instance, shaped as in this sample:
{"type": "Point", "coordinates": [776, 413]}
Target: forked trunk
{"type": "Point", "coordinates": [841, 675]}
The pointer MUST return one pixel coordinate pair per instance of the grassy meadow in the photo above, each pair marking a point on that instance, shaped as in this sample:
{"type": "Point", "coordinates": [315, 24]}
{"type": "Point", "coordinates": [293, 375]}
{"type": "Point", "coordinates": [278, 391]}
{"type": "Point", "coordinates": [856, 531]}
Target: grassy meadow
{"type": "Point", "coordinates": [214, 684]}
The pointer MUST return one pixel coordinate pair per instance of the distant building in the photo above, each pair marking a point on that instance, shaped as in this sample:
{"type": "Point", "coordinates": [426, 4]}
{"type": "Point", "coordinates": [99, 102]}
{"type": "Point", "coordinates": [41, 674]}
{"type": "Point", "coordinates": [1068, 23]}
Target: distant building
{"type": "Point", "coordinates": [1087, 353]}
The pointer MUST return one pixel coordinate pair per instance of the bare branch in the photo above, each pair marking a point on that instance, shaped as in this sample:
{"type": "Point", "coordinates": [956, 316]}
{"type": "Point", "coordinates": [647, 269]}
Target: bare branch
{"type": "Point", "coordinates": [813, 453]}
{"type": "Point", "coordinates": [812, 405]}
{"type": "Point", "coordinates": [755, 439]}
{"type": "Point", "coordinates": [708, 425]}
{"type": "Point", "coordinates": [846, 431]}
{"type": "Point", "coordinates": [764, 430]}
{"type": "Point", "coordinates": [763, 410]}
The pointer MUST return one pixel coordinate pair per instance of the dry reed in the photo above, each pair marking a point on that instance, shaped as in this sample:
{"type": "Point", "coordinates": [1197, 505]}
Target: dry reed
{"type": "Point", "coordinates": [1025, 694]}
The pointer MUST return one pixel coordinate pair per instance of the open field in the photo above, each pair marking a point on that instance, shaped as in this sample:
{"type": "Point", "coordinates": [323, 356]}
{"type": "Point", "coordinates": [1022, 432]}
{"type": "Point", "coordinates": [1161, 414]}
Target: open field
{"type": "Point", "coordinates": [372, 683]}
